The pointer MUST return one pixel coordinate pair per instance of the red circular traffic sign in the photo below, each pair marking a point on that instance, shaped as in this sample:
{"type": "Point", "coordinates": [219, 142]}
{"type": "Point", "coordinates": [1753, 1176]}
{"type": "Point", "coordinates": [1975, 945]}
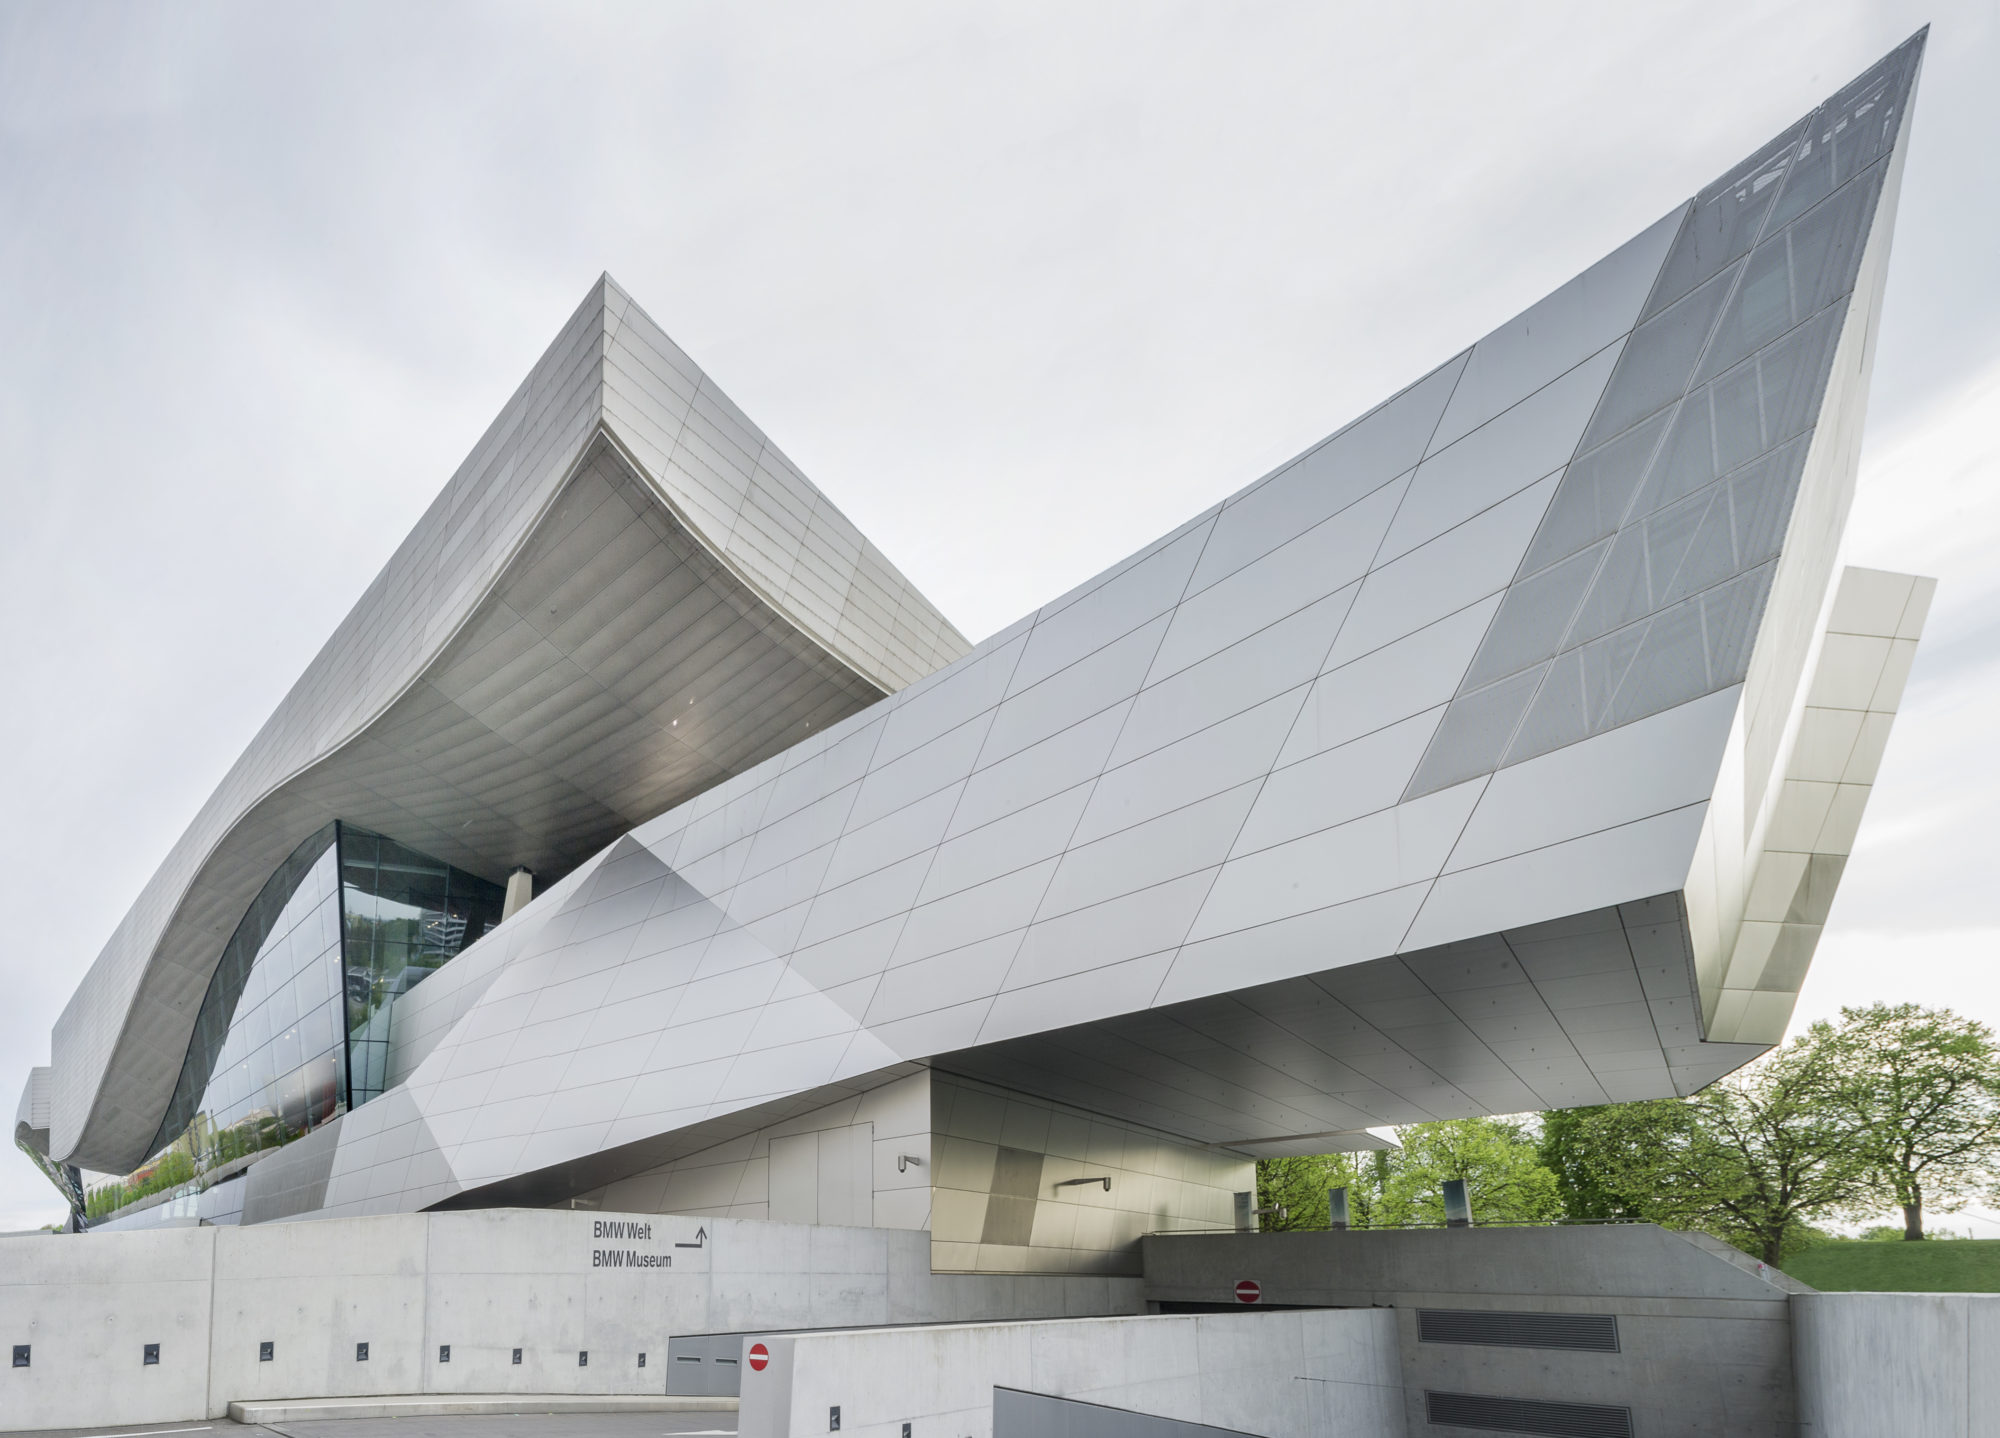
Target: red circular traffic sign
{"type": "Point", "coordinates": [1248, 1291]}
{"type": "Point", "coordinates": [759, 1356]}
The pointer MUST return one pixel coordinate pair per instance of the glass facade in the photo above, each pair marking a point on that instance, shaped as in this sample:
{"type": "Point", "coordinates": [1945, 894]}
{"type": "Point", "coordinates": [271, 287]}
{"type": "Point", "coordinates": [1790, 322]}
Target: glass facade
{"type": "Point", "coordinates": [1647, 579]}
{"type": "Point", "coordinates": [406, 914]}
{"type": "Point", "coordinates": [66, 1177]}
{"type": "Point", "coordinates": [278, 1073]}
{"type": "Point", "coordinates": [294, 1028]}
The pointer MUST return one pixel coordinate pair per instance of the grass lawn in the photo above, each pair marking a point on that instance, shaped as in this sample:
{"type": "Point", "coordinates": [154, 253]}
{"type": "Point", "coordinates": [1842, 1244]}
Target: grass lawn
{"type": "Point", "coordinates": [1948, 1266]}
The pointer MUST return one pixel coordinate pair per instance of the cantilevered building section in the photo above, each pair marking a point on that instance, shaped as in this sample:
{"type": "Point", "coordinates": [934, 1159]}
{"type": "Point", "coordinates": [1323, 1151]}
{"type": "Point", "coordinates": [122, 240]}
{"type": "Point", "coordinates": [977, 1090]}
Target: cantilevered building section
{"type": "Point", "coordinates": [625, 594]}
{"type": "Point", "coordinates": [1500, 752]}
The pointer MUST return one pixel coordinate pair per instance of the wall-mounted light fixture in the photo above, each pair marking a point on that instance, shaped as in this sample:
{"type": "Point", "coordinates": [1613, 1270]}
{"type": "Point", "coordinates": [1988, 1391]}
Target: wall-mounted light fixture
{"type": "Point", "coordinates": [904, 1160]}
{"type": "Point", "coordinates": [1104, 1179]}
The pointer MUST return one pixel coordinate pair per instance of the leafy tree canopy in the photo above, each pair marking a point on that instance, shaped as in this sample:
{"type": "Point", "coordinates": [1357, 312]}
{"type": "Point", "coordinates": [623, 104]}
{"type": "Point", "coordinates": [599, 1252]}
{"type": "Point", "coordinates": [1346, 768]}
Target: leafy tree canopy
{"type": "Point", "coordinates": [1921, 1088]}
{"type": "Point", "coordinates": [1504, 1176]}
{"type": "Point", "coordinates": [1752, 1159]}
{"type": "Point", "coordinates": [1496, 1157]}
{"type": "Point", "coordinates": [1895, 1104]}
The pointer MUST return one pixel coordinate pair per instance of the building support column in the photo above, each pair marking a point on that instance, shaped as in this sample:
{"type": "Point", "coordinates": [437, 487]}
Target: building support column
{"type": "Point", "coordinates": [520, 889]}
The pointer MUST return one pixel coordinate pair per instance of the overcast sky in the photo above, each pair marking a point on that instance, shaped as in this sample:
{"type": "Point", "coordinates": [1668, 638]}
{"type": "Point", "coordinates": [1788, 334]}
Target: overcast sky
{"type": "Point", "coordinates": [1020, 286]}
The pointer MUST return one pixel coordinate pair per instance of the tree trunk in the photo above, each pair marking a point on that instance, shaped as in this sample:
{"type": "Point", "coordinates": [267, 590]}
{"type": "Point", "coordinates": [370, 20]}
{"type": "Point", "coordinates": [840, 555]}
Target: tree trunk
{"type": "Point", "coordinates": [1913, 1218]}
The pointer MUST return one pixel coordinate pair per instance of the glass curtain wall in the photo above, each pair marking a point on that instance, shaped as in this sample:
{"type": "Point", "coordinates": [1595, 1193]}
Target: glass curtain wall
{"type": "Point", "coordinates": [267, 1061]}
{"type": "Point", "coordinates": [294, 1028]}
{"type": "Point", "coordinates": [66, 1177]}
{"type": "Point", "coordinates": [406, 915]}
{"type": "Point", "coordinates": [279, 1072]}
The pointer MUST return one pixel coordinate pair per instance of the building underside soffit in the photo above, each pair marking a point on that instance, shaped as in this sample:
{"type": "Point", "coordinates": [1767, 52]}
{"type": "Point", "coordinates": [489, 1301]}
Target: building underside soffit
{"type": "Point", "coordinates": [617, 668]}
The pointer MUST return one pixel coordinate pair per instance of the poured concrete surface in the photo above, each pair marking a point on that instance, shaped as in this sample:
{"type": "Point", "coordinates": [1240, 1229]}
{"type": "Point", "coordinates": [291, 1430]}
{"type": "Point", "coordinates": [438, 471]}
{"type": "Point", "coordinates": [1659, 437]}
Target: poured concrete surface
{"type": "Point", "coordinates": [483, 1283]}
{"type": "Point", "coordinates": [1322, 1373]}
{"type": "Point", "coordinates": [463, 1405]}
{"type": "Point", "coordinates": [1915, 1363]}
{"type": "Point", "coordinates": [1703, 1334]}
{"type": "Point", "coordinates": [521, 1422]}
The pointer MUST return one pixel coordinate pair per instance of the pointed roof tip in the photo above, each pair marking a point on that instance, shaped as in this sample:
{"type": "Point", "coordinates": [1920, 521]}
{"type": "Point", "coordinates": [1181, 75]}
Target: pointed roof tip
{"type": "Point", "coordinates": [606, 300]}
{"type": "Point", "coordinates": [603, 289]}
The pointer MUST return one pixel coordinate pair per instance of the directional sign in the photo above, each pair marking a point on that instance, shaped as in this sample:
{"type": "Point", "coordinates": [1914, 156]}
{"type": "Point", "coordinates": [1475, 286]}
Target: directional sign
{"type": "Point", "coordinates": [759, 1356]}
{"type": "Point", "coordinates": [1248, 1291]}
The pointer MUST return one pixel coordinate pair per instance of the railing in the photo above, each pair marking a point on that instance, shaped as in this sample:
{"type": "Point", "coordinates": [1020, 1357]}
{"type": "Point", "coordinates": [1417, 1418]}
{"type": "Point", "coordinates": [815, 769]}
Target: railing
{"type": "Point", "coordinates": [1395, 1227]}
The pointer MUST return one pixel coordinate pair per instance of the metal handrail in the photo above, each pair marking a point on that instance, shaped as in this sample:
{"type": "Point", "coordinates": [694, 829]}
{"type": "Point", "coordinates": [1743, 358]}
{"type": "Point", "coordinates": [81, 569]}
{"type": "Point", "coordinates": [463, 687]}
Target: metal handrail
{"type": "Point", "coordinates": [1394, 1227]}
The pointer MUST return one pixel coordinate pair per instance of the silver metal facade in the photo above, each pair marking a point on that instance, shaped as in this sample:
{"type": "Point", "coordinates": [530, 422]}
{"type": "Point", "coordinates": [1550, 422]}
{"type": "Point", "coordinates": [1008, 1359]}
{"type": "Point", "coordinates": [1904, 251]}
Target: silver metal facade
{"type": "Point", "coordinates": [1500, 752]}
{"type": "Point", "coordinates": [624, 594]}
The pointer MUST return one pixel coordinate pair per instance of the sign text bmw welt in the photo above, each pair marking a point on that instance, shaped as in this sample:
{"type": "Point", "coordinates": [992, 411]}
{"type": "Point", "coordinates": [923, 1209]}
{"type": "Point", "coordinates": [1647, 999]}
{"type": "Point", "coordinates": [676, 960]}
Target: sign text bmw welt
{"type": "Point", "coordinates": [615, 1229]}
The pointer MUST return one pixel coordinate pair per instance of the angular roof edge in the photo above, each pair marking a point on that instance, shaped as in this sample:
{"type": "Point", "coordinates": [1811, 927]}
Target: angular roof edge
{"type": "Point", "coordinates": [610, 372]}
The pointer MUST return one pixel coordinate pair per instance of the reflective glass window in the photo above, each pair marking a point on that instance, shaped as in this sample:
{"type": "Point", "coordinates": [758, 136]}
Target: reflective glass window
{"type": "Point", "coordinates": [406, 914]}
{"type": "Point", "coordinates": [294, 1027]}
{"type": "Point", "coordinates": [259, 1071]}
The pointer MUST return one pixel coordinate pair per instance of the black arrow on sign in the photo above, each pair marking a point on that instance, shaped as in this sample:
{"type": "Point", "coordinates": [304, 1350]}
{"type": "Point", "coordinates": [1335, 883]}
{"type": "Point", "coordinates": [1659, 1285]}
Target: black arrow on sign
{"type": "Point", "coordinates": [700, 1238]}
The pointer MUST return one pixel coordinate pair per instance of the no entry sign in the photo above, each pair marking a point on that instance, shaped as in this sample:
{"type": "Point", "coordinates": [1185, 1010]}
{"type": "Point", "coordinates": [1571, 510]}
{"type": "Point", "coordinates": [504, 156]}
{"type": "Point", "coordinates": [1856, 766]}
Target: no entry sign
{"type": "Point", "coordinates": [759, 1356]}
{"type": "Point", "coordinates": [1248, 1291]}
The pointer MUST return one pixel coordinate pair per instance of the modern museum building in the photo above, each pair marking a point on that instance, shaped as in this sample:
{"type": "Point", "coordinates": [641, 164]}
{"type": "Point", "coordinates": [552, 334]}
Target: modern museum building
{"type": "Point", "coordinates": [643, 843]}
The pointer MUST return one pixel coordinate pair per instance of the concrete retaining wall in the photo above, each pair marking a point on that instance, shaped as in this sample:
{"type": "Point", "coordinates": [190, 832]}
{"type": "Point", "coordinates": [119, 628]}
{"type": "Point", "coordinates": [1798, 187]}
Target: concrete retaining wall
{"type": "Point", "coordinates": [87, 1305]}
{"type": "Point", "coordinates": [1704, 1343]}
{"type": "Point", "coordinates": [1898, 1365]}
{"type": "Point", "coordinates": [1284, 1375]}
{"type": "Point", "coordinates": [554, 1283]}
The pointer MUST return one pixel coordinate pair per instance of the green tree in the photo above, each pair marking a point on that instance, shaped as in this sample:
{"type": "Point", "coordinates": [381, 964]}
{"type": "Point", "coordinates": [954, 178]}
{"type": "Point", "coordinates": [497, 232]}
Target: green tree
{"type": "Point", "coordinates": [1505, 1179]}
{"type": "Point", "coordinates": [1296, 1185]}
{"type": "Point", "coordinates": [1398, 1188]}
{"type": "Point", "coordinates": [1922, 1087]}
{"type": "Point", "coordinates": [1300, 1185]}
{"type": "Point", "coordinates": [1566, 1151]}
{"type": "Point", "coordinates": [1752, 1159]}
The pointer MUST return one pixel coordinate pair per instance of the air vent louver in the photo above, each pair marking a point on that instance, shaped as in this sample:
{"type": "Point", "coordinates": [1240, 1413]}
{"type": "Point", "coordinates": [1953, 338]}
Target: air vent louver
{"type": "Point", "coordinates": [1586, 1332]}
{"type": "Point", "coordinates": [1528, 1415]}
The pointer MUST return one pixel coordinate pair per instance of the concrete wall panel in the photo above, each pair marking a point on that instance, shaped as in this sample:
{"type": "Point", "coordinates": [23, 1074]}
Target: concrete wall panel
{"type": "Point", "coordinates": [87, 1309]}
{"type": "Point", "coordinates": [484, 1282]}
{"type": "Point", "coordinates": [1704, 1338]}
{"type": "Point", "coordinates": [314, 1291]}
{"type": "Point", "coordinates": [1001, 1157]}
{"type": "Point", "coordinates": [1916, 1365]}
{"type": "Point", "coordinates": [1277, 1374]}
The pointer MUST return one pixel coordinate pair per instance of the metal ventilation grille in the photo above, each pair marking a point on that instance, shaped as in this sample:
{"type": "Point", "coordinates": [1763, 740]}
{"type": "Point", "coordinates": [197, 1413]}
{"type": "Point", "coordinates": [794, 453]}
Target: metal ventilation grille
{"type": "Point", "coordinates": [1588, 1332]}
{"type": "Point", "coordinates": [1528, 1415]}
